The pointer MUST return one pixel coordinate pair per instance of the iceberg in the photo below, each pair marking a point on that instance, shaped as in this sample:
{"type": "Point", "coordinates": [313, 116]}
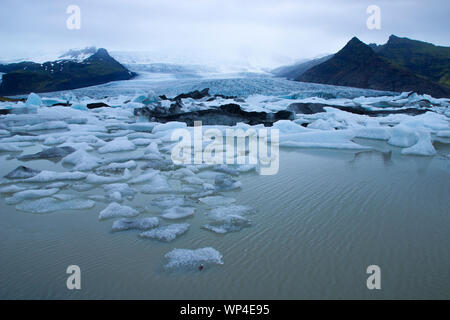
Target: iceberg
{"type": "Point", "coordinates": [423, 147]}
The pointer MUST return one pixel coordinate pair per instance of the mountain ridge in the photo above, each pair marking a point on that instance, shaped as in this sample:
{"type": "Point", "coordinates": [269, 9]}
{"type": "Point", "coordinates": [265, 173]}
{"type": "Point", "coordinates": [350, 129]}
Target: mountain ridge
{"type": "Point", "coordinates": [360, 65]}
{"type": "Point", "coordinates": [64, 74]}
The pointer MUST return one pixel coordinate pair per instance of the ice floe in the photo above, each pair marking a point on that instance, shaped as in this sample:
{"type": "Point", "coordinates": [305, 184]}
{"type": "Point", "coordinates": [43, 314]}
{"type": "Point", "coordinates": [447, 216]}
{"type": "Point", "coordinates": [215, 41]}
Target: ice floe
{"type": "Point", "coordinates": [186, 258]}
{"type": "Point", "coordinates": [46, 205]}
{"type": "Point", "coordinates": [138, 224]}
{"type": "Point", "coordinates": [119, 144]}
{"type": "Point", "coordinates": [114, 210]}
{"type": "Point", "coordinates": [30, 194]}
{"type": "Point", "coordinates": [166, 233]}
{"type": "Point", "coordinates": [177, 212]}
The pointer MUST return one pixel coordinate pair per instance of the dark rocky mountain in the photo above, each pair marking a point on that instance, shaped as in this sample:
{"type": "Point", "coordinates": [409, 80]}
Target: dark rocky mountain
{"type": "Point", "coordinates": [65, 74]}
{"type": "Point", "coordinates": [422, 58]}
{"type": "Point", "coordinates": [358, 65]}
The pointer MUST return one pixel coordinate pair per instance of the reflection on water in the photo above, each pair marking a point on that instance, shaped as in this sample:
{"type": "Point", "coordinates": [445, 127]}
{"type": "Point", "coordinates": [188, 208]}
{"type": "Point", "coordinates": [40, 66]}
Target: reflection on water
{"type": "Point", "coordinates": [319, 223]}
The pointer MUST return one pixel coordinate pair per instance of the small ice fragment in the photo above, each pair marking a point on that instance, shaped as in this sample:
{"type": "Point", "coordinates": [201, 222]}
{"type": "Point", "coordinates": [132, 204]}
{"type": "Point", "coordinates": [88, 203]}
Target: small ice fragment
{"type": "Point", "coordinates": [166, 233]}
{"type": "Point", "coordinates": [93, 178]}
{"type": "Point", "coordinates": [185, 258]}
{"type": "Point", "coordinates": [11, 189]}
{"type": "Point", "coordinates": [46, 205]}
{"type": "Point", "coordinates": [117, 210]}
{"type": "Point", "coordinates": [22, 172]}
{"type": "Point", "coordinates": [158, 184]}
{"type": "Point", "coordinates": [139, 224]}
{"type": "Point", "coordinates": [175, 213]}
{"type": "Point", "coordinates": [50, 176]}
{"type": "Point", "coordinates": [168, 201]}
{"type": "Point", "coordinates": [217, 201]}
{"type": "Point", "coordinates": [81, 160]}
{"type": "Point", "coordinates": [144, 177]}
{"type": "Point", "coordinates": [118, 145]}
{"type": "Point", "coordinates": [30, 194]}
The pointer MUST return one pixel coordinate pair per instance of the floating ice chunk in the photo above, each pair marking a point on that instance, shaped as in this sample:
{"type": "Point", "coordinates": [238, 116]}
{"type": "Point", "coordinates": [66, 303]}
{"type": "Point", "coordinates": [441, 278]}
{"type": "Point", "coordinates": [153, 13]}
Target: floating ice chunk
{"type": "Point", "coordinates": [122, 189]}
{"type": "Point", "coordinates": [46, 205]}
{"type": "Point", "coordinates": [377, 133]}
{"type": "Point", "coordinates": [9, 147]}
{"type": "Point", "coordinates": [142, 126]}
{"type": "Point", "coordinates": [93, 178]}
{"type": "Point", "coordinates": [168, 201]}
{"type": "Point", "coordinates": [183, 172]}
{"type": "Point", "coordinates": [50, 125]}
{"type": "Point", "coordinates": [81, 187]}
{"type": "Point", "coordinates": [22, 172]}
{"type": "Point", "coordinates": [228, 219]}
{"type": "Point", "coordinates": [193, 180]}
{"type": "Point", "coordinates": [166, 233]}
{"type": "Point", "coordinates": [185, 258]}
{"type": "Point", "coordinates": [224, 182]}
{"type": "Point", "coordinates": [423, 147]}
{"type": "Point", "coordinates": [340, 139]}
{"type": "Point", "coordinates": [158, 184]}
{"type": "Point", "coordinates": [142, 142]}
{"type": "Point", "coordinates": [58, 185]}
{"type": "Point", "coordinates": [53, 153]}
{"type": "Point", "coordinates": [161, 127]}
{"type": "Point", "coordinates": [328, 124]}
{"type": "Point", "coordinates": [4, 133]}
{"type": "Point", "coordinates": [30, 194]}
{"type": "Point", "coordinates": [11, 189]}
{"type": "Point", "coordinates": [50, 176]}
{"type": "Point", "coordinates": [226, 169]}
{"type": "Point", "coordinates": [144, 177]}
{"type": "Point", "coordinates": [52, 140]}
{"type": "Point", "coordinates": [131, 164]}
{"type": "Point", "coordinates": [33, 100]}
{"type": "Point", "coordinates": [139, 224]}
{"type": "Point", "coordinates": [141, 135]}
{"type": "Point", "coordinates": [246, 167]}
{"type": "Point", "coordinates": [152, 148]}
{"type": "Point", "coordinates": [217, 201]}
{"type": "Point", "coordinates": [116, 210]}
{"type": "Point", "coordinates": [117, 145]}
{"type": "Point", "coordinates": [82, 161]}
{"type": "Point", "coordinates": [443, 134]}
{"type": "Point", "coordinates": [175, 213]}
{"type": "Point", "coordinates": [402, 136]}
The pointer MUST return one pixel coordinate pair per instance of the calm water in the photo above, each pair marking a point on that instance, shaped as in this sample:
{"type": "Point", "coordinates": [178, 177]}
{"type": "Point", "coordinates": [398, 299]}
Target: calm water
{"type": "Point", "coordinates": [319, 223]}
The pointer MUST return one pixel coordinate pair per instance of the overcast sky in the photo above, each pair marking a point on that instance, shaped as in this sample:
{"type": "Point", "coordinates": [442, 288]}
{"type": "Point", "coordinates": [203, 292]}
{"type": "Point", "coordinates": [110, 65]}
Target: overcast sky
{"type": "Point", "coordinates": [264, 30]}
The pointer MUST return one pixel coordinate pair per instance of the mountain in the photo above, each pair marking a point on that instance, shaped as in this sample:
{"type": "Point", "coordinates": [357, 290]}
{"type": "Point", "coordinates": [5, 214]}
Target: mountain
{"type": "Point", "coordinates": [64, 74]}
{"type": "Point", "coordinates": [358, 65]}
{"type": "Point", "coordinates": [296, 70]}
{"type": "Point", "coordinates": [421, 58]}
